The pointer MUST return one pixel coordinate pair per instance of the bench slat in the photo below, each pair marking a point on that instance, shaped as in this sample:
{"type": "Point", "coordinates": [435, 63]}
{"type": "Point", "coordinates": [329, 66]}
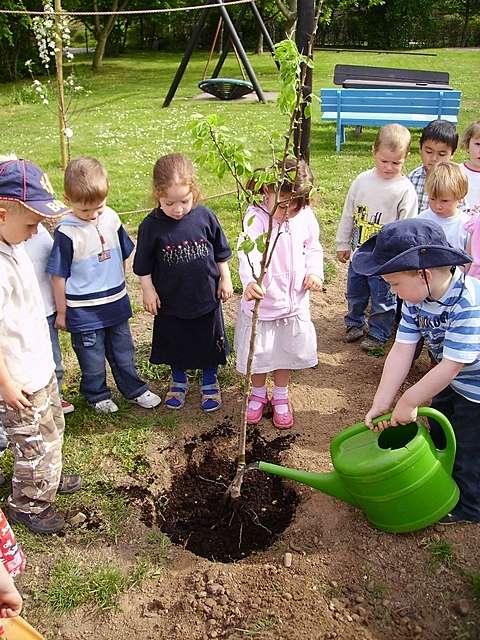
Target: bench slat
{"type": "Point", "coordinates": [383, 93]}
{"type": "Point", "coordinates": [378, 120]}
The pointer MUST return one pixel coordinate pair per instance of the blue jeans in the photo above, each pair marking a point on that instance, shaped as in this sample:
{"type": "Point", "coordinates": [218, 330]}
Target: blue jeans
{"type": "Point", "coordinates": [464, 416]}
{"type": "Point", "coordinates": [57, 353]}
{"type": "Point", "coordinates": [361, 290]}
{"type": "Point", "coordinates": [116, 345]}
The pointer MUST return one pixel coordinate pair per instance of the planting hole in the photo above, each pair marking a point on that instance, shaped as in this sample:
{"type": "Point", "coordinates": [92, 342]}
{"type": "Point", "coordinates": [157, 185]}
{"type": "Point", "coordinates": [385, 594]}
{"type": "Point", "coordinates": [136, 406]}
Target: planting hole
{"type": "Point", "coordinates": [197, 517]}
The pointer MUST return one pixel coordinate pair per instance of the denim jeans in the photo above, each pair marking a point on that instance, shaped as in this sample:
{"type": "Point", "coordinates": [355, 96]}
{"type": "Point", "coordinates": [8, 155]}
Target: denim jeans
{"type": "Point", "coordinates": [464, 416]}
{"type": "Point", "coordinates": [116, 345]}
{"type": "Point", "coordinates": [361, 290]}
{"type": "Point", "coordinates": [57, 353]}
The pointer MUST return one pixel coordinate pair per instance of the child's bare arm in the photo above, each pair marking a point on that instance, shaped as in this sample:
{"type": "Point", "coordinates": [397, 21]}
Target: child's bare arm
{"type": "Point", "coordinates": [58, 285]}
{"type": "Point", "coordinates": [395, 370]}
{"type": "Point", "coordinates": [225, 287]}
{"type": "Point", "coordinates": [151, 301]}
{"type": "Point", "coordinates": [10, 599]}
{"type": "Point", "coordinates": [433, 382]}
{"type": "Point", "coordinates": [12, 393]}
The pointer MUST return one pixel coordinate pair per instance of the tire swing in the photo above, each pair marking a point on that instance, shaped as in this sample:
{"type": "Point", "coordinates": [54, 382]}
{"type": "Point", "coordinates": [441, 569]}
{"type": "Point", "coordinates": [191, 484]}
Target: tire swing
{"type": "Point", "coordinates": [224, 88]}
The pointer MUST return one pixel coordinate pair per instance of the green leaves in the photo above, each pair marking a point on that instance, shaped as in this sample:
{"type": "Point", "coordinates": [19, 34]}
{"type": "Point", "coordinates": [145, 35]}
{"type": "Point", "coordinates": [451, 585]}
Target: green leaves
{"type": "Point", "coordinates": [247, 245]}
{"type": "Point", "coordinates": [219, 148]}
{"type": "Point", "coordinates": [290, 61]}
{"type": "Point", "coordinates": [261, 242]}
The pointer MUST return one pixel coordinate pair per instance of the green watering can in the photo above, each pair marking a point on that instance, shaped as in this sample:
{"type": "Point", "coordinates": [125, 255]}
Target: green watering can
{"type": "Point", "coordinates": [397, 476]}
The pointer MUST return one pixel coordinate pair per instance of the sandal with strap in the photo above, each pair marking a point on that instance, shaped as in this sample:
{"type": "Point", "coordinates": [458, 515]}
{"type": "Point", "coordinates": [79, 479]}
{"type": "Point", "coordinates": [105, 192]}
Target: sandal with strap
{"type": "Point", "coordinates": [255, 415]}
{"type": "Point", "coordinates": [211, 397]}
{"type": "Point", "coordinates": [175, 398]}
{"type": "Point", "coordinates": [282, 420]}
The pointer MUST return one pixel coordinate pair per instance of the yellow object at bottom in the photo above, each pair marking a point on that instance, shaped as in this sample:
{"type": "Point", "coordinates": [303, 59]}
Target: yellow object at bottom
{"type": "Point", "coordinates": [18, 629]}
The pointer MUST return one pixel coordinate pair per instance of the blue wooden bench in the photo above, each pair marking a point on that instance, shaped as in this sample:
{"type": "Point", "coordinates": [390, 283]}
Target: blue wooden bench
{"type": "Point", "coordinates": [377, 107]}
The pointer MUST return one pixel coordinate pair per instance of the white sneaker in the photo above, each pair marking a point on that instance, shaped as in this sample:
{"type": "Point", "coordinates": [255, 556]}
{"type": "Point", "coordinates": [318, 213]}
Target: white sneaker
{"type": "Point", "coordinates": [105, 406]}
{"type": "Point", "coordinates": [148, 400]}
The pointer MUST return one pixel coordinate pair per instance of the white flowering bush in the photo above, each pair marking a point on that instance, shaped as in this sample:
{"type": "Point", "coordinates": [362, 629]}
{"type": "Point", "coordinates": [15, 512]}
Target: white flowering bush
{"type": "Point", "coordinates": [50, 32]}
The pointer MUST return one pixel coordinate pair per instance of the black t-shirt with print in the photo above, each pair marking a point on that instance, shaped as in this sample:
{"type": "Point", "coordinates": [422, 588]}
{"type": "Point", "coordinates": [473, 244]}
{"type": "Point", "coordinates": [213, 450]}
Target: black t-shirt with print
{"type": "Point", "coordinates": [181, 257]}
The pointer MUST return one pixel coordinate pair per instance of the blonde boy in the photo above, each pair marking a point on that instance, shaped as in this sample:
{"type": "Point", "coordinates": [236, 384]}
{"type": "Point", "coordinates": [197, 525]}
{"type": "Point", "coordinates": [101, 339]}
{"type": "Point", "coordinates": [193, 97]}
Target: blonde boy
{"type": "Point", "coordinates": [87, 265]}
{"type": "Point", "coordinates": [446, 186]}
{"type": "Point", "coordinates": [442, 306]}
{"type": "Point", "coordinates": [376, 197]}
{"type": "Point", "coordinates": [438, 143]}
{"type": "Point", "coordinates": [30, 407]}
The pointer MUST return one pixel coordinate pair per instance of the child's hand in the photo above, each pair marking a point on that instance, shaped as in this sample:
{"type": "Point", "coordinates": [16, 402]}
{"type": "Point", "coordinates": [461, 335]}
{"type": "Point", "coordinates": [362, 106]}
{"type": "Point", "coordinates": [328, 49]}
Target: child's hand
{"type": "Point", "coordinates": [61, 321]}
{"type": "Point", "coordinates": [312, 283]}
{"type": "Point", "coordinates": [253, 292]}
{"type": "Point", "coordinates": [343, 256]}
{"type": "Point", "coordinates": [10, 602]}
{"type": "Point", "coordinates": [151, 301]}
{"type": "Point", "coordinates": [377, 409]}
{"type": "Point", "coordinates": [403, 413]}
{"type": "Point", "coordinates": [225, 288]}
{"type": "Point", "coordinates": [14, 396]}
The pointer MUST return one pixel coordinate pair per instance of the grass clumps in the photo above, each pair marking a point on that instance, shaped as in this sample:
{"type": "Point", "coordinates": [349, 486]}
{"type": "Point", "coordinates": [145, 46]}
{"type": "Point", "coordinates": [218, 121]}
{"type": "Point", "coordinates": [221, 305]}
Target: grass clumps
{"type": "Point", "coordinates": [73, 585]}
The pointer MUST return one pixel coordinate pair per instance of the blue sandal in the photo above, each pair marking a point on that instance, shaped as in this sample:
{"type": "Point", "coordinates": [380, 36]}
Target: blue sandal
{"type": "Point", "coordinates": [175, 398]}
{"type": "Point", "coordinates": [211, 397]}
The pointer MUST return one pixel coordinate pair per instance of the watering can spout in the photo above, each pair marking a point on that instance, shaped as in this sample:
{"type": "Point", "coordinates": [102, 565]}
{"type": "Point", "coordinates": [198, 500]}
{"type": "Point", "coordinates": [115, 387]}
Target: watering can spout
{"type": "Point", "coordinates": [328, 482]}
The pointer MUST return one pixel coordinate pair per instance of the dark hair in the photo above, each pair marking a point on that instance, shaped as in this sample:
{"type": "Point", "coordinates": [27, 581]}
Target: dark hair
{"type": "Point", "coordinates": [298, 181]}
{"type": "Point", "coordinates": [440, 131]}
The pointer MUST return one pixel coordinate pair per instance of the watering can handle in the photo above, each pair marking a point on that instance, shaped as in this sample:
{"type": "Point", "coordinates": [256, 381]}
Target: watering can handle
{"type": "Point", "coordinates": [445, 456]}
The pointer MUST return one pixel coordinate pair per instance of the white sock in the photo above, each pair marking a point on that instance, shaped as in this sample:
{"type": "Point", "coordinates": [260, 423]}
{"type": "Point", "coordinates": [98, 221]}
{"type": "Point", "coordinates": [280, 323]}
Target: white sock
{"type": "Point", "coordinates": [280, 393]}
{"type": "Point", "coordinates": [261, 392]}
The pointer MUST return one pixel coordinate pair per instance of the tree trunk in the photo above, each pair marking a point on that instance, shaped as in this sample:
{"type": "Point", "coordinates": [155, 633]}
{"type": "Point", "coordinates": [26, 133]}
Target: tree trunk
{"type": "Point", "coordinates": [99, 51]}
{"type": "Point", "coordinates": [303, 36]}
{"type": "Point", "coordinates": [102, 32]}
{"type": "Point", "coordinates": [466, 20]}
{"type": "Point", "coordinates": [259, 46]}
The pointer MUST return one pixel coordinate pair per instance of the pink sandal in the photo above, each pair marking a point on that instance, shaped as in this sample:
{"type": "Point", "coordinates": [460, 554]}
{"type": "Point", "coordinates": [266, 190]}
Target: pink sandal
{"type": "Point", "coordinates": [282, 420]}
{"type": "Point", "coordinates": [255, 415]}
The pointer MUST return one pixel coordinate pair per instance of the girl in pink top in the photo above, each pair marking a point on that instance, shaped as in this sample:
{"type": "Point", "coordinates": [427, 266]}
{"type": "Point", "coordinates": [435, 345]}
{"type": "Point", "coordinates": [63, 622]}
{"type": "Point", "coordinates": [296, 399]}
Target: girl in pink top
{"type": "Point", "coordinates": [286, 337]}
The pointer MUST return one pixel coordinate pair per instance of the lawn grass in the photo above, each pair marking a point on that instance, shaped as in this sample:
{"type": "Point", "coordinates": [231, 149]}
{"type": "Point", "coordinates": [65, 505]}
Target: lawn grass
{"type": "Point", "coordinates": [122, 123]}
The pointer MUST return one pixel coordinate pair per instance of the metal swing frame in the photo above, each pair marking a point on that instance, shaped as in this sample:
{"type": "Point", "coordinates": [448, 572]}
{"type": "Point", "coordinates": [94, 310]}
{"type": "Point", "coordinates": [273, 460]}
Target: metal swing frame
{"type": "Point", "coordinates": [238, 48]}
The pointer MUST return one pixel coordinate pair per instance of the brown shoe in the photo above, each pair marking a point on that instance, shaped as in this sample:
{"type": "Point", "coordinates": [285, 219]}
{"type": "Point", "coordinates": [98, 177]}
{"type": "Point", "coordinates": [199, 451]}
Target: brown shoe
{"type": "Point", "coordinates": [70, 484]}
{"type": "Point", "coordinates": [49, 521]}
{"type": "Point", "coordinates": [354, 333]}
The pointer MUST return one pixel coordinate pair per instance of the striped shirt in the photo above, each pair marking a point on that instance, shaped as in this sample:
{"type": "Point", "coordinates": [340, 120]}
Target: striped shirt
{"type": "Point", "coordinates": [417, 177]}
{"type": "Point", "coordinates": [451, 332]}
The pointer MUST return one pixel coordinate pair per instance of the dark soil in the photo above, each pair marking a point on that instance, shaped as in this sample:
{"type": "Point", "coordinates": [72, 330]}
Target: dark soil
{"type": "Point", "coordinates": [198, 516]}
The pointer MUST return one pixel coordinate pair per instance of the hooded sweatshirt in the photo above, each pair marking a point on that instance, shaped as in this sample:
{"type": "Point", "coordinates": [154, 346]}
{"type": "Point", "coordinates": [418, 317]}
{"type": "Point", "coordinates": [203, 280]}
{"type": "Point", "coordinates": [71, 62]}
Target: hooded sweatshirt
{"type": "Point", "coordinates": [297, 253]}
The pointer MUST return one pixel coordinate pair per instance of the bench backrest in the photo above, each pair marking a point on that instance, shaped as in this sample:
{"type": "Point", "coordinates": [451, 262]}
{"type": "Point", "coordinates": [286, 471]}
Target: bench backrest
{"type": "Point", "coordinates": [433, 102]}
{"type": "Point", "coordinates": [344, 72]}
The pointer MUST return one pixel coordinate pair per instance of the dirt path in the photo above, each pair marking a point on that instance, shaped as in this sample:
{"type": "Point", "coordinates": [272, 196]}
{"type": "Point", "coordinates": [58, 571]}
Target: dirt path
{"type": "Point", "coordinates": [346, 580]}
